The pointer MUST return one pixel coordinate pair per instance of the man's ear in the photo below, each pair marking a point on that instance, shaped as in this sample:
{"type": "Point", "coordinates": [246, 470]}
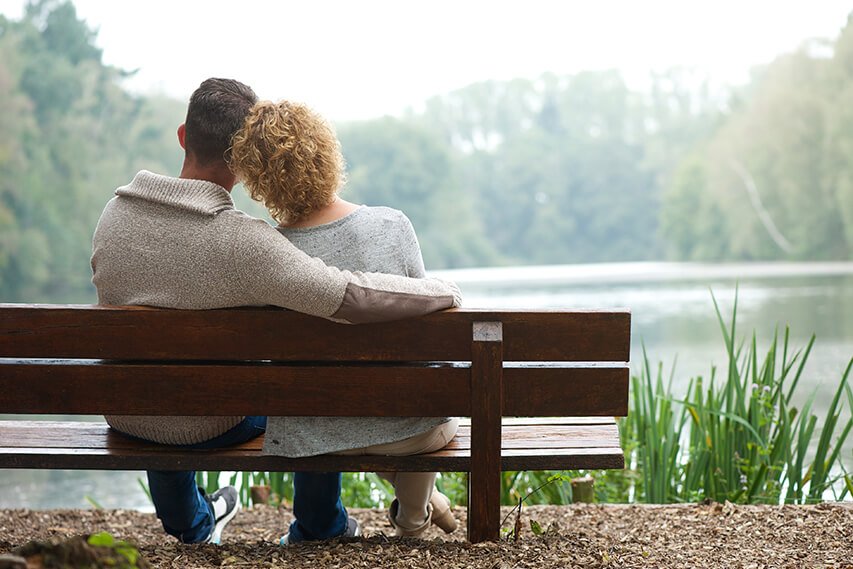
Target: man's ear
{"type": "Point", "coordinates": [182, 134]}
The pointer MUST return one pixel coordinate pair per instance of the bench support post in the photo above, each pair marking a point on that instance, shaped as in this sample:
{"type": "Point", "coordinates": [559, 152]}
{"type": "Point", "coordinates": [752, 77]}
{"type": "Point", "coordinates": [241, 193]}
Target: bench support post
{"type": "Point", "coordinates": [484, 482]}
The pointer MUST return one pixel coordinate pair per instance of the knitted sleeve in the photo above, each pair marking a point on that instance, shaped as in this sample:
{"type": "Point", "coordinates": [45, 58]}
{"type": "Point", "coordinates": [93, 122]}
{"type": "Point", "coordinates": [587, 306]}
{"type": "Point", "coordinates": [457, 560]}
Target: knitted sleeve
{"type": "Point", "coordinates": [272, 271]}
{"type": "Point", "coordinates": [410, 249]}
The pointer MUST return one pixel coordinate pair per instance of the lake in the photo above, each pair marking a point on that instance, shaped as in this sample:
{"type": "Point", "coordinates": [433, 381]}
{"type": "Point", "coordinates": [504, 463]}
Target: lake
{"type": "Point", "coordinates": [672, 315]}
{"type": "Point", "coordinates": [673, 310]}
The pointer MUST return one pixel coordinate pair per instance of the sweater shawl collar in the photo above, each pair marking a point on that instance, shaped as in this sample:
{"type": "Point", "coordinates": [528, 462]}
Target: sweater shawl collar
{"type": "Point", "coordinates": [198, 196]}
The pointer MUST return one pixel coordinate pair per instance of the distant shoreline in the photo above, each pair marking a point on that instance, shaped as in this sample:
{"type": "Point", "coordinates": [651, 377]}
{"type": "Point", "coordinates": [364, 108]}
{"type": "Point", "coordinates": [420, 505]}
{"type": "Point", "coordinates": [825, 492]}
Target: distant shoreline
{"type": "Point", "coordinates": [640, 272]}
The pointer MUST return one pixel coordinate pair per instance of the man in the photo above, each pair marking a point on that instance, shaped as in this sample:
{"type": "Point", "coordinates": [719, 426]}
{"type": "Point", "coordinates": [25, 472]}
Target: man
{"type": "Point", "coordinates": [179, 243]}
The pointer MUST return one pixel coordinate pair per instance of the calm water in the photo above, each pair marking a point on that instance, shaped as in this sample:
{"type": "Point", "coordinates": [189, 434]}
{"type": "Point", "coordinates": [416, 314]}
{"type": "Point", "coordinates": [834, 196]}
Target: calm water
{"type": "Point", "coordinates": [673, 311]}
{"type": "Point", "coordinates": [672, 314]}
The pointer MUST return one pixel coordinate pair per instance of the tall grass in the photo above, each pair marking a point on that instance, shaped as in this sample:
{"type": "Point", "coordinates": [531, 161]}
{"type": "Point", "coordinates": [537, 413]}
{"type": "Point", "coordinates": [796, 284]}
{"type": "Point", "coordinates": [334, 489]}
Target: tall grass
{"type": "Point", "coordinates": [738, 437]}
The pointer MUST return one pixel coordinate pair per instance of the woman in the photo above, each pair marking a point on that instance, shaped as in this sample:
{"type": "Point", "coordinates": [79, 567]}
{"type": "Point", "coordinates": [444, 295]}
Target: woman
{"type": "Point", "coordinates": [289, 158]}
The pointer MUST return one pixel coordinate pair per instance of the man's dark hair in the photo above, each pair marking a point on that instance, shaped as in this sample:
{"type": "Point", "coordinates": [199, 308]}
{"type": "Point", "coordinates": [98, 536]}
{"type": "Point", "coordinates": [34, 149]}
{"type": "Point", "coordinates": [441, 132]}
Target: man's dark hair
{"type": "Point", "coordinates": [216, 112]}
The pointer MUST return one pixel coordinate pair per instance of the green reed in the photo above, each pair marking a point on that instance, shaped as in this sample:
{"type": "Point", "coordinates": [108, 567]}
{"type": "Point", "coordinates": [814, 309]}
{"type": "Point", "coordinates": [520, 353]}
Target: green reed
{"type": "Point", "coordinates": [738, 438]}
{"type": "Point", "coordinates": [741, 439]}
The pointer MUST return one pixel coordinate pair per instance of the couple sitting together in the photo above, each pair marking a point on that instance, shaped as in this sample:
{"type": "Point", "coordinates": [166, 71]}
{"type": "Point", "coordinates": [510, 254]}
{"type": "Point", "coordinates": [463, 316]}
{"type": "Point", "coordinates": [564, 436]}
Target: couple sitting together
{"type": "Point", "coordinates": [180, 243]}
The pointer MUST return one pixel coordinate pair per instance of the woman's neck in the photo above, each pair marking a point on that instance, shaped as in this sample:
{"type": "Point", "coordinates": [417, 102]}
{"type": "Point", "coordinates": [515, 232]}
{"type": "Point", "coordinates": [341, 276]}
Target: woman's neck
{"type": "Point", "coordinates": [334, 211]}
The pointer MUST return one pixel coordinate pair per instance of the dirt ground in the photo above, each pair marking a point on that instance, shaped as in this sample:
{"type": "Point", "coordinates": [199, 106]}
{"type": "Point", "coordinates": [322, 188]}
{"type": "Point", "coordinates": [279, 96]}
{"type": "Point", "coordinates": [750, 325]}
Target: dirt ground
{"type": "Point", "coordinates": [707, 536]}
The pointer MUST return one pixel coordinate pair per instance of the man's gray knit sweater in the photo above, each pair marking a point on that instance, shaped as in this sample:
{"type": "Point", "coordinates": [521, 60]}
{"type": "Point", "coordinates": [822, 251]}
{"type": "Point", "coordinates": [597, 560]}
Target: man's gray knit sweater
{"type": "Point", "coordinates": [180, 243]}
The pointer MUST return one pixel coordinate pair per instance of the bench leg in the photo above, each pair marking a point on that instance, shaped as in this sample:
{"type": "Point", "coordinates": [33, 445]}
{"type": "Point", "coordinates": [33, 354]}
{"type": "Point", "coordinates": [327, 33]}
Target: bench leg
{"type": "Point", "coordinates": [484, 481]}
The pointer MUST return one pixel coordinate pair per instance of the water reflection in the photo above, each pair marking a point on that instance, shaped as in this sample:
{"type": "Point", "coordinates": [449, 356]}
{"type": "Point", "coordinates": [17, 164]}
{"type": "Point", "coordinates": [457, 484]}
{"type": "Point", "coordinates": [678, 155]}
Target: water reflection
{"type": "Point", "coordinates": [42, 489]}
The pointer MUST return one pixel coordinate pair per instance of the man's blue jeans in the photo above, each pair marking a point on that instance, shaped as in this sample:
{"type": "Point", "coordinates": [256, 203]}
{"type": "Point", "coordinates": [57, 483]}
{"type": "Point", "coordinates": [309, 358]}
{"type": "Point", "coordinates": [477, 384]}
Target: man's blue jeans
{"type": "Point", "coordinates": [317, 507]}
{"type": "Point", "coordinates": [185, 514]}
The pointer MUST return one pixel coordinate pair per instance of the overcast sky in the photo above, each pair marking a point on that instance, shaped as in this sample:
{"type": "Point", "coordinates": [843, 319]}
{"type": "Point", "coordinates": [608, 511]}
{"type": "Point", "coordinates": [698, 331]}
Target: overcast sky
{"type": "Point", "coordinates": [361, 59]}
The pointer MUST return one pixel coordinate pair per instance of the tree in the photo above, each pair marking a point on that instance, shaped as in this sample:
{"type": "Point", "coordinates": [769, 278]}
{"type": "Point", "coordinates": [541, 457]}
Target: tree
{"type": "Point", "coordinates": [561, 178]}
{"type": "Point", "coordinates": [404, 166]}
{"type": "Point", "coordinates": [71, 135]}
{"type": "Point", "coordinates": [777, 169]}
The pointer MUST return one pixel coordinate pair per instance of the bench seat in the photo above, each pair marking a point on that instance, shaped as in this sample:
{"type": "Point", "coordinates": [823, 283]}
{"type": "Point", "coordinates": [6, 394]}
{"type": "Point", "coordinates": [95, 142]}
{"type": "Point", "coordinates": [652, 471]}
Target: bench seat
{"type": "Point", "coordinates": [527, 444]}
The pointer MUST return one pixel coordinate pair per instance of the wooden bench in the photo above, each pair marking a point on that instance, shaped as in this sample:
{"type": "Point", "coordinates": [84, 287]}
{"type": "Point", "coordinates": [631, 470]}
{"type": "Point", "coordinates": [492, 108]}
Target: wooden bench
{"type": "Point", "coordinates": [565, 372]}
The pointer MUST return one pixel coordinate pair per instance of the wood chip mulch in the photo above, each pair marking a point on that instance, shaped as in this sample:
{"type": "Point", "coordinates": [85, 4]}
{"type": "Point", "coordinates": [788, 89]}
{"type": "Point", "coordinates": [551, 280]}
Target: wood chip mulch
{"type": "Point", "coordinates": [707, 536]}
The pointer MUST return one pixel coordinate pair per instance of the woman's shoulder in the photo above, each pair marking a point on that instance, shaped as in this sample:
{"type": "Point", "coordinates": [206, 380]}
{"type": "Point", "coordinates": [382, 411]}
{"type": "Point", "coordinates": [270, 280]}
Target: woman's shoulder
{"type": "Point", "coordinates": [364, 224]}
{"type": "Point", "coordinates": [381, 212]}
{"type": "Point", "coordinates": [388, 218]}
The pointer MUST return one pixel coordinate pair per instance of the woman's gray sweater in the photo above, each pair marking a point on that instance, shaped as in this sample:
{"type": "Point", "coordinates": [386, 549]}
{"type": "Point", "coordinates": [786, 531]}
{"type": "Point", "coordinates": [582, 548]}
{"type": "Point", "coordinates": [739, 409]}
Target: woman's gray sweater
{"type": "Point", "coordinates": [370, 239]}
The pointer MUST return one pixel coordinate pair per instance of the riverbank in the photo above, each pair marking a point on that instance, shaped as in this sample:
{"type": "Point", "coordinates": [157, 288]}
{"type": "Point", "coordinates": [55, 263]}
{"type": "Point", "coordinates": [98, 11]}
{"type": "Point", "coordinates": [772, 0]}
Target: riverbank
{"type": "Point", "coordinates": [708, 536]}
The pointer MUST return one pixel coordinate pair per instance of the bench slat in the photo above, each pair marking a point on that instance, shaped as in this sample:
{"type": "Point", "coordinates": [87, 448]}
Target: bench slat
{"type": "Point", "coordinates": [549, 421]}
{"type": "Point", "coordinates": [72, 434]}
{"type": "Point", "coordinates": [550, 459]}
{"type": "Point", "coordinates": [86, 331]}
{"type": "Point", "coordinates": [106, 388]}
{"type": "Point", "coordinates": [69, 387]}
{"type": "Point", "coordinates": [54, 444]}
{"type": "Point", "coordinates": [539, 391]}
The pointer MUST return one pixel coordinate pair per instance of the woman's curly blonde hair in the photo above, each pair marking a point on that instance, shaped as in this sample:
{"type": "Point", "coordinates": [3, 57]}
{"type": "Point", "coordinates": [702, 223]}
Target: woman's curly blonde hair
{"type": "Point", "coordinates": [289, 159]}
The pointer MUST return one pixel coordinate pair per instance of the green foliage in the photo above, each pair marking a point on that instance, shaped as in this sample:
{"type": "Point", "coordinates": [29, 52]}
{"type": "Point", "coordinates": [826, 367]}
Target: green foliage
{"type": "Point", "coordinates": [555, 168]}
{"type": "Point", "coordinates": [71, 135]}
{"type": "Point", "coordinates": [405, 166]}
{"type": "Point", "coordinates": [741, 441]}
{"type": "Point", "coordinates": [144, 487]}
{"type": "Point", "coordinates": [360, 489]}
{"type": "Point", "coordinates": [127, 552]}
{"type": "Point", "coordinates": [207, 481]}
{"type": "Point", "coordinates": [774, 179]}
{"type": "Point", "coordinates": [93, 502]}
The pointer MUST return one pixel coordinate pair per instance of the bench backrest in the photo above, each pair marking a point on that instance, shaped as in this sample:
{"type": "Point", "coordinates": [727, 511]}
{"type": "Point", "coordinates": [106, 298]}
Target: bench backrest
{"type": "Point", "coordinates": [63, 359]}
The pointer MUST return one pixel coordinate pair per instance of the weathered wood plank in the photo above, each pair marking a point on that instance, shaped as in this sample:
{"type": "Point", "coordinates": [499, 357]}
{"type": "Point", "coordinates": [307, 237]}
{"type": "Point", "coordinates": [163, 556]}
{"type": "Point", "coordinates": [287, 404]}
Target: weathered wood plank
{"type": "Point", "coordinates": [53, 444]}
{"type": "Point", "coordinates": [69, 388]}
{"type": "Point", "coordinates": [72, 434]}
{"type": "Point", "coordinates": [80, 459]}
{"type": "Point", "coordinates": [565, 391]}
{"type": "Point", "coordinates": [88, 331]}
{"type": "Point", "coordinates": [94, 387]}
{"type": "Point", "coordinates": [600, 420]}
{"type": "Point", "coordinates": [564, 459]}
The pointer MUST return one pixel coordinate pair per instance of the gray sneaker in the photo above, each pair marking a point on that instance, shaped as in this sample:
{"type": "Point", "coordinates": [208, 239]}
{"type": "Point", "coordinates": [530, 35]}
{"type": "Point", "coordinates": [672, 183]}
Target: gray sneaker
{"type": "Point", "coordinates": [353, 530]}
{"type": "Point", "coordinates": [224, 502]}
